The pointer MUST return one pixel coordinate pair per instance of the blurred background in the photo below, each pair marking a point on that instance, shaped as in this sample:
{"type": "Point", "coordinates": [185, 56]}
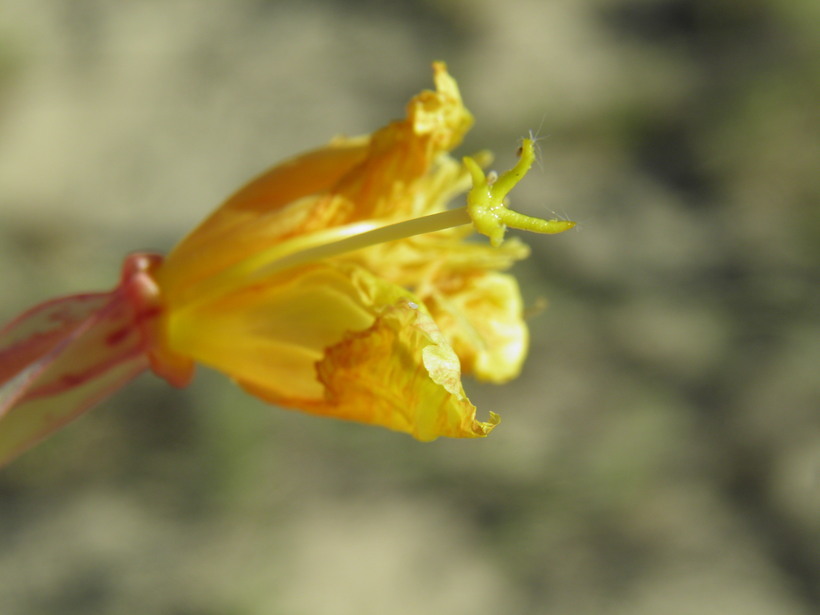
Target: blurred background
{"type": "Point", "coordinates": [661, 451]}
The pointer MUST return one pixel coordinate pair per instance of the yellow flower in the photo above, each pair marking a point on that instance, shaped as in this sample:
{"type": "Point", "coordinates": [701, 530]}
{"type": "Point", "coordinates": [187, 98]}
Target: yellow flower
{"type": "Point", "coordinates": [340, 284]}
{"type": "Point", "coordinates": [337, 283]}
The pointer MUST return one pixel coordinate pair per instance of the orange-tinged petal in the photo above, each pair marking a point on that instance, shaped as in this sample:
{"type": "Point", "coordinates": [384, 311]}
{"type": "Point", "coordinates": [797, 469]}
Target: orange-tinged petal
{"type": "Point", "coordinates": [284, 202]}
{"type": "Point", "coordinates": [315, 171]}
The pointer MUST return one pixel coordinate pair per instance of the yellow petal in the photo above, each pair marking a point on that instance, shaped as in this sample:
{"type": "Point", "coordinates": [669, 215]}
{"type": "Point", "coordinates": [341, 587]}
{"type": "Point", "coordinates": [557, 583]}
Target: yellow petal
{"type": "Point", "coordinates": [400, 374]}
{"type": "Point", "coordinates": [271, 334]}
{"type": "Point", "coordinates": [482, 317]}
{"type": "Point", "coordinates": [333, 339]}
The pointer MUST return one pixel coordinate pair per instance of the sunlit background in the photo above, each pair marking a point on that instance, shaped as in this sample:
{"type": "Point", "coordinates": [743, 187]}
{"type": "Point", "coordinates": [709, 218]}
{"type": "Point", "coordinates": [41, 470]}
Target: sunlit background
{"type": "Point", "coordinates": [659, 455]}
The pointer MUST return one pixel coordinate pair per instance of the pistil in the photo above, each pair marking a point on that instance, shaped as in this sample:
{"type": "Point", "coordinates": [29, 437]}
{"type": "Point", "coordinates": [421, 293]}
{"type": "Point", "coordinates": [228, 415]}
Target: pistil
{"type": "Point", "coordinates": [486, 200]}
{"type": "Point", "coordinates": [486, 210]}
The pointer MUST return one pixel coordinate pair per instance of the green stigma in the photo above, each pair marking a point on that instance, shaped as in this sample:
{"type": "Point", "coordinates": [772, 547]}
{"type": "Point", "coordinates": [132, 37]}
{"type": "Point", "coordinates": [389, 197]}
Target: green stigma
{"type": "Point", "coordinates": [485, 201]}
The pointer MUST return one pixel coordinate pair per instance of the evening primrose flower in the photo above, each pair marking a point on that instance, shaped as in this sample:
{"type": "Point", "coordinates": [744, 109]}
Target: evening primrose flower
{"type": "Point", "coordinates": [338, 283]}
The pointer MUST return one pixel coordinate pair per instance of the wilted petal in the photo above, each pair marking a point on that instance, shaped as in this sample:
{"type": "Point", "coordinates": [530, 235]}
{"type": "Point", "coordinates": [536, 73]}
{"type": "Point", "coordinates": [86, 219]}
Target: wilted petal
{"type": "Point", "coordinates": [402, 153]}
{"type": "Point", "coordinates": [400, 374]}
{"type": "Point", "coordinates": [482, 317]}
